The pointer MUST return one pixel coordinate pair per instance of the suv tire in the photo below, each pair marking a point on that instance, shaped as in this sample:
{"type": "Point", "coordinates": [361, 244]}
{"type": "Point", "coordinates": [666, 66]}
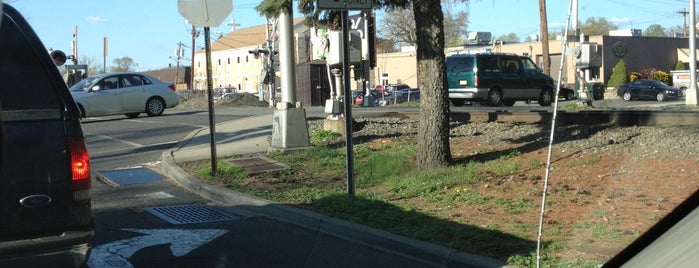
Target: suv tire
{"type": "Point", "coordinates": [494, 97]}
{"type": "Point", "coordinates": [546, 97]}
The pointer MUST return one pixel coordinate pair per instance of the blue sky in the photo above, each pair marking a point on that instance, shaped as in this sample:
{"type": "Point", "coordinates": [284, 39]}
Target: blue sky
{"type": "Point", "coordinates": [148, 30]}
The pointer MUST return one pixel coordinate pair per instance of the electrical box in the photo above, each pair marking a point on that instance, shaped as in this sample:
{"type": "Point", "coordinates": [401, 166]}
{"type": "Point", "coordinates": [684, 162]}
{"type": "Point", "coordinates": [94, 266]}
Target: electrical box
{"type": "Point", "coordinates": [336, 47]}
{"type": "Point", "coordinates": [589, 55]}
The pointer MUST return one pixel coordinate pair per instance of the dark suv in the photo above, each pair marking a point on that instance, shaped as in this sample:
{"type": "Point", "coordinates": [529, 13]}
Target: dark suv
{"type": "Point", "coordinates": [46, 217]}
{"type": "Point", "coordinates": [497, 79]}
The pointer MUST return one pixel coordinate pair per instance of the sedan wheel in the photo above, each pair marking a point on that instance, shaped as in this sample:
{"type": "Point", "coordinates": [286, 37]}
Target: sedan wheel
{"type": "Point", "coordinates": [155, 106]}
{"type": "Point", "coordinates": [627, 96]}
{"type": "Point", "coordinates": [570, 95]}
{"type": "Point", "coordinates": [660, 96]}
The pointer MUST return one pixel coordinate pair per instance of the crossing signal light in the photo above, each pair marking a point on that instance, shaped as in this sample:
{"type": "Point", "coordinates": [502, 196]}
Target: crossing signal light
{"type": "Point", "coordinates": [58, 57]}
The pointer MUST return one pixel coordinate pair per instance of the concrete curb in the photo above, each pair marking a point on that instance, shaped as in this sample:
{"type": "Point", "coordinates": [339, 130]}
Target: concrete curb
{"type": "Point", "coordinates": [427, 253]}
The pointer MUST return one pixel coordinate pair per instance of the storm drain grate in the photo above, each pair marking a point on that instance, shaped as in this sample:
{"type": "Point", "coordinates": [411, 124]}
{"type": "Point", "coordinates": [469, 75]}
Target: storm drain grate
{"type": "Point", "coordinates": [259, 164]}
{"type": "Point", "coordinates": [188, 214]}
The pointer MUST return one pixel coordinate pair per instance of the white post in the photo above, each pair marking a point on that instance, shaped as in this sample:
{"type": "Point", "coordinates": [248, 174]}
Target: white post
{"type": "Point", "coordinates": [691, 98]}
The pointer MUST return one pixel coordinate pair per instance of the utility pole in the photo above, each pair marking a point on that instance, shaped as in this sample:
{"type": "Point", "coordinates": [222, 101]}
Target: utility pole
{"type": "Point", "coordinates": [544, 37]}
{"type": "Point", "coordinates": [684, 13]}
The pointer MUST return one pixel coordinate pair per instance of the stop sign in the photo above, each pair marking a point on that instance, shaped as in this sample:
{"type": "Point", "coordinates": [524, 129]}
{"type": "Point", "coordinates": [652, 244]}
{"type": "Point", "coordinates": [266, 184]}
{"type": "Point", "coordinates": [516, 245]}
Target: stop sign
{"type": "Point", "coordinates": [205, 13]}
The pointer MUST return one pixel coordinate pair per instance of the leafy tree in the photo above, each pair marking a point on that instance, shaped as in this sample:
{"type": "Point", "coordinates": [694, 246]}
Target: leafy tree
{"type": "Point", "coordinates": [508, 38]}
{"type": "Point", "coordinates": [655, 30]}
{"type": "Point", "coordinates": [123, 64]}
{"type": "Point", "coordinates": [618, 76]}
{"type": "Point", "coordinates": [597, 26]}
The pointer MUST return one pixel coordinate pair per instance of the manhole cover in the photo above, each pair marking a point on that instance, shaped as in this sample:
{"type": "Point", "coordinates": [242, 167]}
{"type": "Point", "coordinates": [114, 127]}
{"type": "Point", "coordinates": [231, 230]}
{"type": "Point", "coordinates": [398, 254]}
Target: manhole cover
{"type": "Point", "coordinates": [258, 164]}
{"type": "Point", "coordinates": [188, 214]}
{"type": "Point", "coordinates": [130, 176]}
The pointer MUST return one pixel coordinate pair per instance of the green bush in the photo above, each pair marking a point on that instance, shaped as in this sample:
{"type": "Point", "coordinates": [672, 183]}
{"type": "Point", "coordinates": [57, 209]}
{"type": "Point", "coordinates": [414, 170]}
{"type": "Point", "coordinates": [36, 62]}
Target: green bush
{"type": "Point", "coordinates": [679, 65]}
{"type": "Point", "coordinates": [618, 76]}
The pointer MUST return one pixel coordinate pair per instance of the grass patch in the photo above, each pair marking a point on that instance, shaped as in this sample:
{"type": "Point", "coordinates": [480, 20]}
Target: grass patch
{"type": "Point", "coordinates": [389, 190]}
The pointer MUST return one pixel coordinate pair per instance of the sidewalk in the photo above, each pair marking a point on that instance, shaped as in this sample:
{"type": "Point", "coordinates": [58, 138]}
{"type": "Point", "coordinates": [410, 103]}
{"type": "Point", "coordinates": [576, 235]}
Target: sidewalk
{"type": "Point", "coordinates": [250, 136]}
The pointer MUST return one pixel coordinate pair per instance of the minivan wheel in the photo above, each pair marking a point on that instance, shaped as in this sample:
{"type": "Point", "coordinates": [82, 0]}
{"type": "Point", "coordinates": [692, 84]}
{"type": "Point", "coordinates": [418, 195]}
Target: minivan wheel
{"type": "Point", "coordinates": [155, 106]}
{"type": "Point", "coordinates": [495, 97]}
{"type": "Point", "coordinates": [457, 102]}
{"type": "Point", "coordinates": [546, 97]}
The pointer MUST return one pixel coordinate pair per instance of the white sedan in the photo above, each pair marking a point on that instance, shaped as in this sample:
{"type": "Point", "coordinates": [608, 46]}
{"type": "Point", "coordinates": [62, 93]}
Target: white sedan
{"type": "Point", "coordinates": [123, 93]}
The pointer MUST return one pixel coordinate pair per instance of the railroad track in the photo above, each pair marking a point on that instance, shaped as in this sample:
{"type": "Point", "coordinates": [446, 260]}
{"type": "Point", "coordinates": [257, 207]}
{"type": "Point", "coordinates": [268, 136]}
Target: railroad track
{"type": "Point", "coordinates": [621, 118]}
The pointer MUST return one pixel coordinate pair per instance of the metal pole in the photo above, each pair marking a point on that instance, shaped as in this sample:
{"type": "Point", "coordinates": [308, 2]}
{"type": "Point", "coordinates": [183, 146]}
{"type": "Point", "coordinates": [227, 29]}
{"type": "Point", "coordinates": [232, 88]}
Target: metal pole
{"type": "Point", "coordinates": [191, 67]}
{"type": "Point", "coordinates": [209, 91]}
{"type": "Point", "coordinates": [691, 98]}
{"type": "Point", "coordinates": [287, 61]}
{"type": "Point", "coordinates": [347, 101]}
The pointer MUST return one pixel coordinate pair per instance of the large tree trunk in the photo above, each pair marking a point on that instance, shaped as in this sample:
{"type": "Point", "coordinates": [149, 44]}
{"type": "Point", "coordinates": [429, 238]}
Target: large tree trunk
{"type": "Point", "coordinates": [433, 131]}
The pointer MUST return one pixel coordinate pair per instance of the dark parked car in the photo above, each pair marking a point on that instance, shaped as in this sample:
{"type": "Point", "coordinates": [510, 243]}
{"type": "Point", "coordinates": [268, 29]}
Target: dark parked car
{"type": "Point", "coordinates": [496, 79]}
{"type": "Point", "coordinates": [649, 89]}
{"type": "Point", "coordinates": [46, 216]}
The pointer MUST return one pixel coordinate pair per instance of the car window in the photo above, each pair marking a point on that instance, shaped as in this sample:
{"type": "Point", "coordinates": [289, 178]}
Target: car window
{"type": "Point", "coordinates": [132, 80]}
{"type": "Point", "coordinates": [84, 85]}
{"type": "Point", "coordinates": [459, 64]}
{"type": "Point", "coordinates": [108, 83]}
{"type": "Point", "coordinates": [511, 66]}
{"type": "Point", "coordinates": [529, 66]}
{"type": "Point", "coordinates": [22, 74]}
{"type": "Point", "coordinates": [489, 64]}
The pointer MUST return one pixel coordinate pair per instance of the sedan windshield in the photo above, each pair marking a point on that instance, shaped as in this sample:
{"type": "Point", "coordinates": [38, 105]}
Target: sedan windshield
{"type": "Point", "coordinates": [84, 85]}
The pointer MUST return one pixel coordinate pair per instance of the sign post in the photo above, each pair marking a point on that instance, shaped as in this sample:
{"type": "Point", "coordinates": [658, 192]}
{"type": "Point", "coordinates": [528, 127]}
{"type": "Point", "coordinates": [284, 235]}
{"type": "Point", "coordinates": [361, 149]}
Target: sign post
{"type": "Point", "coordinates": [207, 13]}
{"type": "Point", "coordinates": [345, 6]}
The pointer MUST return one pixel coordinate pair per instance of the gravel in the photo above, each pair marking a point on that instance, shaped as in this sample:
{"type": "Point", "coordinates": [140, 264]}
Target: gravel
{"type": "Point", "coordinates": [639, 141]}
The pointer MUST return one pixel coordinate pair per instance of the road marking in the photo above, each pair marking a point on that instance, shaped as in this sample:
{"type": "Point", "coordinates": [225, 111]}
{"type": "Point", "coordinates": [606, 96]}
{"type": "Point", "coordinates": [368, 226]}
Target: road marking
{"type": "Point", "coordinates": [182, 241]}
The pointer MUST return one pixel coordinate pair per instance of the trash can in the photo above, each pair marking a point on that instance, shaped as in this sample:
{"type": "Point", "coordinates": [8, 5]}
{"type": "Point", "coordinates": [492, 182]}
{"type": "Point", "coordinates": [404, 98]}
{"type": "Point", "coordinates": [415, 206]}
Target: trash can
{"type": "Point", "coordinates": [597, 90]}
{"type": "Point", "coordinates": [594, 90]}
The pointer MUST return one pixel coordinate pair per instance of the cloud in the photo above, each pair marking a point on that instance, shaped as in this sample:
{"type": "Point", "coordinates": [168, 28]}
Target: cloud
{"type": "Point", "coordinates": [96, 19]}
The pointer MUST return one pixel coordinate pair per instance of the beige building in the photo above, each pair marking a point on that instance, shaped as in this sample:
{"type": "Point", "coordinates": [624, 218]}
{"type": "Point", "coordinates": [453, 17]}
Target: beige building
{"type": "Point", "coordinates": [639, 53]}
{"type": "Point", "coordinates": [233, 67]}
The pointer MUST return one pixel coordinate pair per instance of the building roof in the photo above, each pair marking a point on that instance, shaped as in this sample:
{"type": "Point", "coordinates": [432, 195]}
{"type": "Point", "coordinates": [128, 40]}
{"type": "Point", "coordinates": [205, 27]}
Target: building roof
{"type": "Point", "coordinates": [246, 37]}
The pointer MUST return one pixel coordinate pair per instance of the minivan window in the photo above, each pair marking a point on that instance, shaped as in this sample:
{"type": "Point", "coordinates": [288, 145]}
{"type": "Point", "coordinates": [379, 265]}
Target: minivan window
{"type": "Point", "coordinates": [22, 74]}
{"type": "Point", "coordinates": [459, 64]}
{"type": "Point", "coordinates": [489, 64]}
{"type": "Point", "coordinates": [529, 66]}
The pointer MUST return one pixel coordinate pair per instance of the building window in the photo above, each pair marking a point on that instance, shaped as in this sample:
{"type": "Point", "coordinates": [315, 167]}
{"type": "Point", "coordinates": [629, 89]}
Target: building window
{"type": "Point", "coordinates": [238, 59]}
{"type": "Point", "coordinates": [219, 62]}
{"type": "Point", "coordinates": [247, 59]}
{"type": "Point", "coordinates": [229, 60]}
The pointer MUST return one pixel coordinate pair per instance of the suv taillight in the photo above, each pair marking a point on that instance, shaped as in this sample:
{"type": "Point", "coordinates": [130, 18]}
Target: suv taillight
{"type": "Point", "coordinates": [475, 81]}
{"type": "Point", "coordinates": [80, 168]}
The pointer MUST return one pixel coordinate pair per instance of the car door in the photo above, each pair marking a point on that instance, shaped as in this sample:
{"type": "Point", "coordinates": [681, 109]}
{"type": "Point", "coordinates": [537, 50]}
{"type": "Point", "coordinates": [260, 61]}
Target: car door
{"type": "Point", "coordinates": [133, 93]}
{"type": "Point", "coordinates": [511, 79]}
{"type": "Point", "coordinates": [103, 98]}
{"type": "Point", "coordinates": [637, 89]}
{"type": "Point", "coordinates": [535, 79]}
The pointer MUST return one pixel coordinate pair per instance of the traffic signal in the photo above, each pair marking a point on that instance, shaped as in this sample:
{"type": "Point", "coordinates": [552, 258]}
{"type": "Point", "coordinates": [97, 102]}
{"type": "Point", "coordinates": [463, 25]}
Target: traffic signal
{"type": "Point", "coordinates": [58, 57]}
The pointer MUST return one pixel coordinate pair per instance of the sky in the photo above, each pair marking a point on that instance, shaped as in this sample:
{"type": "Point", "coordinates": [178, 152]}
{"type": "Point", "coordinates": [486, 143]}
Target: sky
{"type": "Point", "coordinates": [148, 31]}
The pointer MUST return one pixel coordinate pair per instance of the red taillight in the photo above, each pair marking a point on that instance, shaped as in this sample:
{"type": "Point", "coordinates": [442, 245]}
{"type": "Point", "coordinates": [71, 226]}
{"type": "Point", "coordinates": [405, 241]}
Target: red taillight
{"type": "Point", "coordinates": [80, 168]}
{"type": "Point", "coordinates": [172, 87]}
{"type": "Point", "coordinates": [475, 81]}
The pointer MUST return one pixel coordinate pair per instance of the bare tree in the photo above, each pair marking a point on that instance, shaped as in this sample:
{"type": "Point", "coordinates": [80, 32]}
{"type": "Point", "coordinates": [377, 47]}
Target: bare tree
{"type": "Point", "coordinates": [508, 38]}
{"type": "Point", "coordinates": [124, 64]}
{"type": "Point", "coordinates": [399, 24]}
